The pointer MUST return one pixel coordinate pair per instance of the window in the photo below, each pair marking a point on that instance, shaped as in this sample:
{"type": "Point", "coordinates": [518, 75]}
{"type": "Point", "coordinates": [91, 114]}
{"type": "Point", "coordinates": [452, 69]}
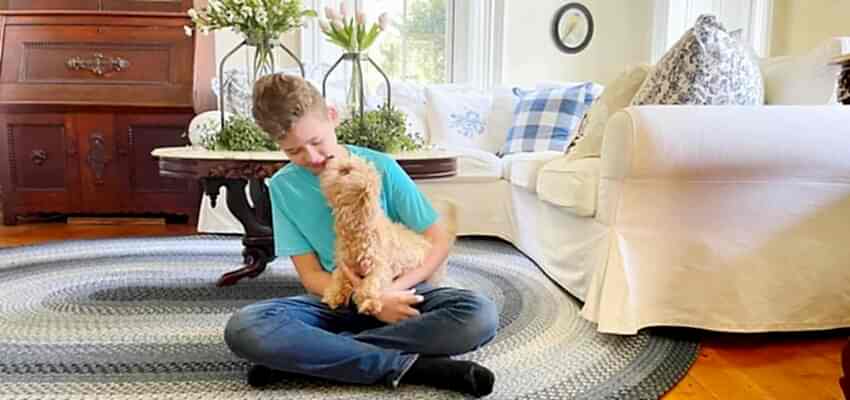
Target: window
{"type": "Point", "coordinates": [751, 18]}
{"type": "Point", "coordinates": [431, 41]}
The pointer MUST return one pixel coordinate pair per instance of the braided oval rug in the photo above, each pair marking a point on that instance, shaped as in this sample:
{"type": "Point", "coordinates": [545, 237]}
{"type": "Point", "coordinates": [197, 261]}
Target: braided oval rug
{"type": "Point", "coordinates": [142, 319]}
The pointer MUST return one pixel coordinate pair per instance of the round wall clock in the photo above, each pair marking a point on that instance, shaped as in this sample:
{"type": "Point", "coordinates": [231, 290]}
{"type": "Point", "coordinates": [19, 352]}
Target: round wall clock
{"type": "Point", "coordinates": [572, 28]}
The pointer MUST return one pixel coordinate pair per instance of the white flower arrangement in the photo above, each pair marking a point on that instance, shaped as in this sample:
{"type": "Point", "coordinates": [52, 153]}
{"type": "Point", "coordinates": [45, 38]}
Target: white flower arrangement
{"type": "Point", "coordinates": [258, 20]}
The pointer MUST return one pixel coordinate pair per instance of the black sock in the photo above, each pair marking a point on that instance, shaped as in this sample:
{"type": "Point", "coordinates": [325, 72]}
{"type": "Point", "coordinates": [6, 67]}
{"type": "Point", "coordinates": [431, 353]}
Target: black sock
{"type": "Point", "coordinates": [445, 373]}
{"type": "Point", "coordinates": [259, 376]}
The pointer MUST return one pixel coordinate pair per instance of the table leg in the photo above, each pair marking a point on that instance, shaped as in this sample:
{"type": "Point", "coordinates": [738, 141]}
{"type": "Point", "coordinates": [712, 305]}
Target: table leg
{"type": "Point", "coordinates": [258, 240]}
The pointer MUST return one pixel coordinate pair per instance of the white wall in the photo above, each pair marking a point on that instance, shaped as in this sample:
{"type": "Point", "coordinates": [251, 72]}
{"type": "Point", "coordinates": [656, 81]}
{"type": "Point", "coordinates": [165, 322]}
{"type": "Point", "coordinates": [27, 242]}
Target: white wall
{"type": "Point", "coordinates": [800, 25]}
{"type": "Point", "coordinates": [622, 36]}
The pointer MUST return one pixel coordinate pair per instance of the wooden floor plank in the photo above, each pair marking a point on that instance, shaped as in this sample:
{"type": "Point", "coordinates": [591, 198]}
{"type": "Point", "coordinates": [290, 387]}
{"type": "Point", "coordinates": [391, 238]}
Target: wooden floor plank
{"type": "Point", "coordinates": [784, 370]}
{"type": "Point", "coordinates": [689, 389]}
{"type": "Point", "coordinates": [720, 378]}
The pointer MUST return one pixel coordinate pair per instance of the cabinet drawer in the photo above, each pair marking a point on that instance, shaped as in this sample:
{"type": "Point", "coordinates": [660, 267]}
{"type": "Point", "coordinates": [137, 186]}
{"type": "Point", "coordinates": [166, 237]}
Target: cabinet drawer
{"type": "Point", "coordinates": [147, 5]}
{"type": "Point", "coordinates": [110, 65]}
{"type": "Point", "coordinates": [50, 5]}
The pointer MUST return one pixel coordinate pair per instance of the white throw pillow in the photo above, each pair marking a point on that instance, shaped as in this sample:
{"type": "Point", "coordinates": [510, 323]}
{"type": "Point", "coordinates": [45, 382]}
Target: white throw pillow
{"type": "Point", "coordinates": [501, 114]}
{"type": "Point", "coordinates": [806, 79]}
{"type": "Point", "coordinates": [457, 117]}
{"type": "Point", "coordinates": [616, 96]}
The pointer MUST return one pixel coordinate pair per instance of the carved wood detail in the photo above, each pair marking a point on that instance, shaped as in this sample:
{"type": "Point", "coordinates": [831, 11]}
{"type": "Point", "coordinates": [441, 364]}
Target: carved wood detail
{"type": "Point", "coordinates": [97, 158]}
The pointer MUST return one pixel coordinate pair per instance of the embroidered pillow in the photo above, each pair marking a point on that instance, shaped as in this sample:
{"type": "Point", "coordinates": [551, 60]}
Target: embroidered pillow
{"type": "Point", "coordinates": [707, 66]}
{"type": "Point", "coordinates": [545, 119]}
{"type": "Point", "coordinates": [457, 118]}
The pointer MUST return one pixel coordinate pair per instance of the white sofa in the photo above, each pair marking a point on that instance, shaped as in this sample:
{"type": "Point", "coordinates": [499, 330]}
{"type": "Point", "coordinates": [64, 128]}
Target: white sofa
{"type": "Point", "coordinates": [723, 218]}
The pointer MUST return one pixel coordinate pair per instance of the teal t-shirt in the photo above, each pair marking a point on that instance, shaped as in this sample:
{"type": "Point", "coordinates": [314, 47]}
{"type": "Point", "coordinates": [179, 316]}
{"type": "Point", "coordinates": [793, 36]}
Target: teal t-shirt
{"type": "Point", "coordinates": [303, 221]}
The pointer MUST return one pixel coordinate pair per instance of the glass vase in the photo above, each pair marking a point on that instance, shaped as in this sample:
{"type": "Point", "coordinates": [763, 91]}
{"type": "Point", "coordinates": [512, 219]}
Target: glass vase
{"type": "Point", "coordinates": [355, 96]}
{"type": "Point", "coordinates": [263, 63]}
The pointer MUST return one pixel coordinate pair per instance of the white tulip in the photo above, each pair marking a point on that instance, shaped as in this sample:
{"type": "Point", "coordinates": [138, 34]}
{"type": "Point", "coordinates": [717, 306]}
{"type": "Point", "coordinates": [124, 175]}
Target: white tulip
{"type": "Point", "coordinates": [383, 21]}
{"type": "Point", "coordinates": [343, 9]}
{"type": "Point", "coordinates": [325, 26]}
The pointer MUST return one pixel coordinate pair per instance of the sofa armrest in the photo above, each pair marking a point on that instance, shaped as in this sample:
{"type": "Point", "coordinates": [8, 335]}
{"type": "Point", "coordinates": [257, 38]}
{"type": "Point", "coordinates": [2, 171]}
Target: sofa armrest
{"type": "Point", "coordinates": [723, 144]}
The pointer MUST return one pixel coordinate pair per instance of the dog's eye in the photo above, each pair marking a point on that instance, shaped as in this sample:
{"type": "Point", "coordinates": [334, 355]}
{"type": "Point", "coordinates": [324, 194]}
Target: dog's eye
{"type": "Point", "coordinates": [345, 170]}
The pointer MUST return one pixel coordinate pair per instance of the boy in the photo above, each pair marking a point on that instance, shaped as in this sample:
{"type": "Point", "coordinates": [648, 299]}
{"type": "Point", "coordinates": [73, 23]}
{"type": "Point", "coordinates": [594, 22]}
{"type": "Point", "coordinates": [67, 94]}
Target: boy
{"type": "Point", "coordinates": [410, 340]}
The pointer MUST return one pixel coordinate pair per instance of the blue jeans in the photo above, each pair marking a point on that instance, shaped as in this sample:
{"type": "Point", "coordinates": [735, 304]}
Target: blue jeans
{"type": "Point", "coordinates": [301, 335]}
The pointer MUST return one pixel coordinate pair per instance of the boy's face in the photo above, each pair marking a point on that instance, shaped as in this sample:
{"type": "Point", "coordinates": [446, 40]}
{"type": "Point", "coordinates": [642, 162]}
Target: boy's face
{"type": "Point", "coordinates": [311, 141]}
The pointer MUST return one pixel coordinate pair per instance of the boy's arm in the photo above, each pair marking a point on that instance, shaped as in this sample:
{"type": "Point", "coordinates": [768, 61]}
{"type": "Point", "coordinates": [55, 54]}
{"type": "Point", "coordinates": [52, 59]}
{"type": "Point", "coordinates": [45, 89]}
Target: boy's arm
{"type": "Point", "coordinates": [440, 239]}
{"type": "Point", "coordinates": [314, 278]}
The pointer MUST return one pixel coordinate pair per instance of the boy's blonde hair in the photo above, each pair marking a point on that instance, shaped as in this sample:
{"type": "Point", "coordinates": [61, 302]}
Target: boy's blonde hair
{"type": "Point", "coordinates": [281, 100]}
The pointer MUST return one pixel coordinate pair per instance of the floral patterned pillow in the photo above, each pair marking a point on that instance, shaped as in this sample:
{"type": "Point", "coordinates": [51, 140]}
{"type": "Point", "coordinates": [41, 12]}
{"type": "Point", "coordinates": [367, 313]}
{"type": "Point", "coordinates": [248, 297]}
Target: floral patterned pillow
{"type": "Point", "coordinates": [457, 118]}
{"type": "Point", "coordinates": [707, 66]}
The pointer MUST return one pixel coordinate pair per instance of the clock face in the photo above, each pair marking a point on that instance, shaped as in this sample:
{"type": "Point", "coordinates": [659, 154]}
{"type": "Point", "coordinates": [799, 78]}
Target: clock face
{"type": "Point", "coordinates": [572, 28]}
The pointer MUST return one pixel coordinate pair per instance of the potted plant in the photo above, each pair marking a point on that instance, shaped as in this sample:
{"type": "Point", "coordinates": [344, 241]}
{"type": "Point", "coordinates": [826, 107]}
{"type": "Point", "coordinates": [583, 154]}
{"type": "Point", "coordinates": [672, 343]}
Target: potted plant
{"type": "Point", "coordinates": [240, 133]}
{"type": "Point", "coordinates": [383, 130]}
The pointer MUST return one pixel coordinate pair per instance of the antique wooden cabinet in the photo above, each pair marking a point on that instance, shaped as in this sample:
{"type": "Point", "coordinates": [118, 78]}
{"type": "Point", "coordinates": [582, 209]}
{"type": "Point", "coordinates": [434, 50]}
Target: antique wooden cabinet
{"type": "Point", "coordinates": [87, 89]}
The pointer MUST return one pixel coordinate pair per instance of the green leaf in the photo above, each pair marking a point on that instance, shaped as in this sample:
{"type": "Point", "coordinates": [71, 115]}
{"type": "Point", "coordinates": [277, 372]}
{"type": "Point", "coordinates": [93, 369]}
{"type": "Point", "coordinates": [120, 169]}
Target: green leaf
{"type": "Point", "coordinates": [371, 36]}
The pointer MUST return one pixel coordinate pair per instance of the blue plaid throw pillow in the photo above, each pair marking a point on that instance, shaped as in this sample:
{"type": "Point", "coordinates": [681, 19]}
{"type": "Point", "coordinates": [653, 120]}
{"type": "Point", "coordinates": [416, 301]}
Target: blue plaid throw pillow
{"type": "Point", "coordinates": [545, 119]}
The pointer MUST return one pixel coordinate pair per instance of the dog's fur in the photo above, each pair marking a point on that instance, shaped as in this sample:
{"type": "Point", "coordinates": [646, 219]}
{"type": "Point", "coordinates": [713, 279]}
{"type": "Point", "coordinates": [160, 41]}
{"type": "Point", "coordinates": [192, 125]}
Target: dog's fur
{"type": "Point", "coordinates": [368, 242]}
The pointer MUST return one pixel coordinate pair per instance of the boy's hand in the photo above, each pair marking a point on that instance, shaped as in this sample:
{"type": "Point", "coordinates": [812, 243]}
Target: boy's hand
{"type": "Point", "coordinates": [397, 304]}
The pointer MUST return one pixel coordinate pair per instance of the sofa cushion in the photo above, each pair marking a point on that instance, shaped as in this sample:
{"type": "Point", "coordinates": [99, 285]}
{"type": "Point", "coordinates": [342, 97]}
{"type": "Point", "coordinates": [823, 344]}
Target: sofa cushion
{"type": "Point", "coordinates": [457, 118]}
{"type": "Point", "coordinates": [521, 169]}
{"type": "Point", "coordinates": [571, 184]}
{"type": "Point", "coordinates": [545, 119]}
{"type": "Point", "coordinates": [615, 97]}
{"type": "Point", "coordinates": [805, 79]}
{"type": "Point", "coordinates": [478, 163]}
{"type": "Point", "coordinates": [706, 66]}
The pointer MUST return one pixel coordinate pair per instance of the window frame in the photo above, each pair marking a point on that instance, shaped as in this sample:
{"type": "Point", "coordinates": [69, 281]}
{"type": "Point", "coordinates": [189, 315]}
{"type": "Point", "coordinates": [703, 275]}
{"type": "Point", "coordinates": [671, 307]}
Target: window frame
{"type": "Point", "coordinates": [474, 54]}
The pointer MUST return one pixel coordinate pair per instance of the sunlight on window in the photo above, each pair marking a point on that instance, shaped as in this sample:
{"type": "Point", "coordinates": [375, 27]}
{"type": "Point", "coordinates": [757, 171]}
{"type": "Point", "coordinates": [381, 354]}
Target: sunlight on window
{"type": "Point", "coordinates": [415, 45]}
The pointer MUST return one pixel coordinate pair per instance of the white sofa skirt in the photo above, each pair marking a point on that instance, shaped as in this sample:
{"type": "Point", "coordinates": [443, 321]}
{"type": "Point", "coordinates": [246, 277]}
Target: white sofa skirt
{"type": "Point", "coordinates": [732, 219]}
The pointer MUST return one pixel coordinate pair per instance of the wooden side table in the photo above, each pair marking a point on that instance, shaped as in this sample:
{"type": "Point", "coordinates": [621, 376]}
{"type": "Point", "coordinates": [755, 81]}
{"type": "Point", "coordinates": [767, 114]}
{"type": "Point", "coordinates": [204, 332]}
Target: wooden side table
{"type": "Point", "coordinates": [235, 170]}
{"type": "Point", "coordinates": [843, 78]}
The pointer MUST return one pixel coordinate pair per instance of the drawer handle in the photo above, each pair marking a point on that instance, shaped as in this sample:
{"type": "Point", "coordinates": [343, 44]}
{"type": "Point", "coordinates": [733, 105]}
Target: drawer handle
{"type": "Point", "coordinates": [97, 158]}
{"type": "Point", "coordinates": [99, 65]}
{"type": "Point", "coordinates": [39, 157]}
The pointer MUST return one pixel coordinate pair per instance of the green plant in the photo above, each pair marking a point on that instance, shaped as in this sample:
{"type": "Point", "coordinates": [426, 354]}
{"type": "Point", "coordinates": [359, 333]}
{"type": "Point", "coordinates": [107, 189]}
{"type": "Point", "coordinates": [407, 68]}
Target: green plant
{"type": "Point", "coordinates": [240, 133]}
{"type": "Point", "coordinates": [382, 130]}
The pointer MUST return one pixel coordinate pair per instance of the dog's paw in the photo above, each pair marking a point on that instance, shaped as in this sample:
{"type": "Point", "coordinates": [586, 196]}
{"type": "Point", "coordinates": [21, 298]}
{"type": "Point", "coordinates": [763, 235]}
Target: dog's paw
{"type": "Point", "coordinates": [334, 300]}
{"type": "Point", "coordinates": [370, 307]}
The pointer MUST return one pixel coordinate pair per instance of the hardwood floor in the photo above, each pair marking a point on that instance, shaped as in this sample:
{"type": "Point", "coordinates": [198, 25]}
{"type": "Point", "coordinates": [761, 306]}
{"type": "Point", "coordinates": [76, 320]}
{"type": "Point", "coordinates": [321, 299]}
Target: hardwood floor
{"type": "Point", "coordinates": [730, 366]}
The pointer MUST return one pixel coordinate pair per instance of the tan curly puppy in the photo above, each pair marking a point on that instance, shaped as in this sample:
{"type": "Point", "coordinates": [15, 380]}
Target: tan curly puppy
{"type": "Point", "coordinates": [367, 241]}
